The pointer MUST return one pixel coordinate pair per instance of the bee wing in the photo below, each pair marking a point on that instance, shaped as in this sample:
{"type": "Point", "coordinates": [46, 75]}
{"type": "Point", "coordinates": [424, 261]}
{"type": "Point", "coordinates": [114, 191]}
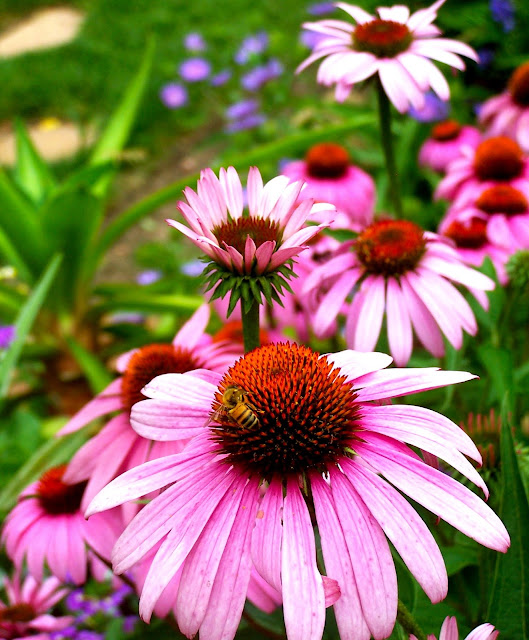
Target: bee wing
{"type": "Point", "coordinates": [214, 416]}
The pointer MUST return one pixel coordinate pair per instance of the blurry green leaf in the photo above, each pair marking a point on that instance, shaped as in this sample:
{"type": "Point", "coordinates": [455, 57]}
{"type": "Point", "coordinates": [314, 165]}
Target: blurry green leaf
{"type": "Point", "coordinates": [24, 323]}
{"type": "Point", "coordinates": [118, 129]}
{"type": "Point", "coordinates": [10, 299]}
{"type": "Point", "coordinates": [150, 303]}
{"type": "Point", "coordinates": [31, 172]}
{"type": "Point", "coordinates": [12, 257]}
{"type": "Point", "coordinates": [499, 365]}
{"type": "Point", "coordinates": [95, 371]}
{"type": "Point", "coordinates": [19, 222]}
{"type": "Point", "coordinates": [53, 452]}
{"type": "Point", "coordinates": [459, 556]}
{"type": "Point", "coordinates": [509, 595]}
{"type": "Point", "coordinates": [87, 176]}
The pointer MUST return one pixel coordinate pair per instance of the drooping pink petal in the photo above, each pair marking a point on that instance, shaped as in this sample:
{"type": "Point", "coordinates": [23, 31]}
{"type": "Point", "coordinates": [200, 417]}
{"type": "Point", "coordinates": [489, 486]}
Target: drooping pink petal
{"type": "Point", "coordinates": [268, 534]}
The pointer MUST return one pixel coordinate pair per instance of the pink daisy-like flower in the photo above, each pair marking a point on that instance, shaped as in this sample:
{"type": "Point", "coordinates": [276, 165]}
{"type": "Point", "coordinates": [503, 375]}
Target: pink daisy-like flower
{"type": "Point", "coordinates": [470, 235]}
{"type": "Point", "coordinates": [47, 526]}
{"type": "Point", "coordinates": [397, 270]}
{"type": "Point", "coordinates": [393, 44]}
{"type": "Point", "coordinates": [449, 631]}
{"type": "Point", "coordinates": [444, 145]}
{"type": "Point", "coordinates": [255, 242]}
{"type": "Point", "coordinates": [117, 447]}
{"type": "Point", "coordinates": [331, 177]}
{"type": "Point", "coordinates": [314, 435]}
{"type": "Point", "coordinates": [494, 161]}
{"type": "Point", "coordinates": [508, 113]}
{"type": "Point", "coordinates": [26, 612]}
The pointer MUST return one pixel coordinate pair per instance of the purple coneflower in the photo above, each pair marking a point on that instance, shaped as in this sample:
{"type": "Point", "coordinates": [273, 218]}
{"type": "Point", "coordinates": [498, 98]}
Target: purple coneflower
{"type": "Point", "coordinates": [445, 144]}
{"type": "Point", "coordinates": [394, 45]}
{"type": "Point", "coordinates": [332, 177]}
{"type": "Point", "coordinates": [449, 631]}
{"type": "Point", "coordinates": [397, 270]}
{"type": "Point", "coordinates": [316, 435]}
{"type": "Point", "coordinates": [508, 113]}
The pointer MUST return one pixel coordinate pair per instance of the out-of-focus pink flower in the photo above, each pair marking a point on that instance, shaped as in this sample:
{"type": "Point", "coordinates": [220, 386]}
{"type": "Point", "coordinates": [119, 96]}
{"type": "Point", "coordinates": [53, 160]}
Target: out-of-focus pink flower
{"type": "Point", "coordinates": [495, 161]}
{"type": "Point", "coordinates": [256, 242]}
{"type": "Point", "coordinates": [445, 143]}
{"type": "Point", "coordinates": [394, 45]}
{"type": "Point", "coordinates": [449, 631]}
{"type": "Point", "coordinates": [195, 69]}
{"type": "Point", "coordinates": [508, 113]}
{"type": "Point", "coordinates": [331, 177]}
{"type": "Point", "coordinates": [47, 526]}
{"type": "Point", "coordinates": [237, 497]}
{"type": "Point", "coordinates": [26, 612]}
{"type": "Point", "coordinates": [117, 447]}
{"type": "Point", "coordinates": [399, 271]}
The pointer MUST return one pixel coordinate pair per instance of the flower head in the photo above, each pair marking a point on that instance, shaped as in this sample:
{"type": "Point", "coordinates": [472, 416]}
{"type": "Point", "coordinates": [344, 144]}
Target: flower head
{"type": "Point", "coordinates": [508, 113]}
{"type": "Point", "coordinates": [449, 631]}
{"type": "Point", "coordinates": [26, 611]}
{"type": "Point", "coordinates": [47, 526]}
{"type": "Point", "coordinates": [195, 69]}
{"type": "Point", "coordinates": [394, 45]}
{"type": "Point", "coordinates": [445, 144]}
{"type": "Point", "coordinates": [253, 244]}
{"type": "Point", "coordinates": [174, 95]}
{"type": "Point", "coordinates": [315, 434]}
{"type": "Point", "coordinates": [332, 177]}
{"type": "Point", "coordinates": [397, 270]}
{"type": "Point", "coordinates": [117, 447]}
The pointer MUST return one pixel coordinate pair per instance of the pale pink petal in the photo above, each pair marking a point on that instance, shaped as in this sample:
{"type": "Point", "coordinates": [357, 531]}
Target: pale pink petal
{"type": "Point", "coordinates": [396, 13]}
{"type": "Point", "coordinates": [177, 387]}
{"type": "Point", "coordinates": [232, 188]}
{"type": "Point", "coordinates": [355, 12]}
{"type": "Point", "coordinates": [331, 304]}
{"type": "Point", "coordinates": [267, 535]}
{"type": "Point", "coordinates": [193, 330]}
{"type": "Point", "coordinates": [254, 188]}
{"type": "Point", "coordinates": [483, 632]}
{"type": "Point", "coordinates": [107, 401]}
{"type": "Point", "coordinates": [370, 313]}
{"type": "Point", "coordinates": [458, 272]}
{"type": "Point", "coordinates": [354, 364]}
{"type": "Point", "coordinates": [398, 324]}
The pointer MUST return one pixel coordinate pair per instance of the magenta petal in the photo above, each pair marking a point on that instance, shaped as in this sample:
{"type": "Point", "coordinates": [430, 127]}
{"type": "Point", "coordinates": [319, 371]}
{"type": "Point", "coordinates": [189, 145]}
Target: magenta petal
{"type": "Point", "coordinates": [347, 608]}
{"type": "Point", "coordinates": [370, 557]}
{"type": "Point", "coordinates": [267, 535]}
{"type": "Point", "coordinates": [193, 330]}
{"type": "Point", "coordinates": [404, 528]}
{"type": "Point", "coordinates": [107, 401]}
{"type": "Point", "coordinates": [163, 421]}
{"type": "Point", "coordinates": [302, 582]}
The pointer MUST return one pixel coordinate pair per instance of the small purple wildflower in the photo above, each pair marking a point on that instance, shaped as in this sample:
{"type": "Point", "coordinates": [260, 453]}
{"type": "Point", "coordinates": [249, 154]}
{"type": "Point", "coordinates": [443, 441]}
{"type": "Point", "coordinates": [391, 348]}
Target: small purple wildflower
{"type": "Point", "coordinates": [193, 268]}
{"type": "Point", "coordinates": [434, 109]}
{"type": "Point", "coordinates": [242, 109]}
{"type": "Point", "coordinates": [195, 42]}
{"type": "Point", "coordinates": [85, 634]}
{"type": "Point", "coordinates": [75, 600]}
{"type": "Point", "coordinates": [195, 69]}
{"type": "Point", "coordinates": [173, 95]}
{"type": "Point", "coordinates": [310, 38]}
{"type": "Point", "coordinates": [149, 276]}
{"type": "Point", "coordinates": [220, 78]}
{"type": "Point", "coordinates": [129, 623]}
{"type": "Point", "coordinates": [503, 12]}
{"type": "Point", "coordinates": [321, 8]}
{"type": "Point", "coordinates": [250, 122]}
{"type": "Point", "coordinates": [67, 632]}
{"type": "Point", "coordinates": [7, 335]}
{"type": "Point", "coordinates": [251, 46]}
{"type": "Point", "coordinates": [260, 75]}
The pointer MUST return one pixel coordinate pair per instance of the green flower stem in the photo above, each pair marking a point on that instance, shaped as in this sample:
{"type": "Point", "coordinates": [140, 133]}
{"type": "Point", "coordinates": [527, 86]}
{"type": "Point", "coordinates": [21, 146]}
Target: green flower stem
{"type": "Point", "coordinates": [250, 327]}
{"type": "Point", "coordinates": [384, 114]}
{"type": "Point", "coordinates": [408, 623]}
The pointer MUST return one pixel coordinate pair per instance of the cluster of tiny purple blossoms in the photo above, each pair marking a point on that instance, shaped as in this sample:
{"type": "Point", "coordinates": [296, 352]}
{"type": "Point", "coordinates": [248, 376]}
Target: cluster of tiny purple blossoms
{"type": "Point", "coordinates": [201, 511]}
{"type": "Point", "coordinates": [253, 69]}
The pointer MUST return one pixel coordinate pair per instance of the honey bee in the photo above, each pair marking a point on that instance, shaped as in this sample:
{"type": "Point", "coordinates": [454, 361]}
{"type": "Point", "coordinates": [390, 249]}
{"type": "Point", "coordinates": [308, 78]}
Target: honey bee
{"type": "Point", "coordinates": [236, 406]}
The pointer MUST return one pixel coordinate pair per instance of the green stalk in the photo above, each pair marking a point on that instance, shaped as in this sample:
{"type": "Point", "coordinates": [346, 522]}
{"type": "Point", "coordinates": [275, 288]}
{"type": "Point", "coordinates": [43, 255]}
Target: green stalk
{"type": "Point", "coordinates": [384, 114]}
{"type": "Point", "coordinates": [250, 327]}
{"type": "Point", "coordinates": [408, 622]}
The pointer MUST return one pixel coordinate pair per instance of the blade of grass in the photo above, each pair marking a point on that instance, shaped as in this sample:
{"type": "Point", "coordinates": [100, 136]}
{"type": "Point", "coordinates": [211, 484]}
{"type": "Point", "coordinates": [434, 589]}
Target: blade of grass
{"type": "Point", "coordinates": [95, 371]}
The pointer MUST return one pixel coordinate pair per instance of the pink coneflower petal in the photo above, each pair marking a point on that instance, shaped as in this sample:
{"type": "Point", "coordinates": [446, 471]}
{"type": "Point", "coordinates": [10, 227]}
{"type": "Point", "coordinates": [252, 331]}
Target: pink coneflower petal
{"type": "Point", "coordinates": [299, 573]}
{"type": "Point", "coordinates": [107, 401]}
{"type": "Point", "coordinates": [397, 13]}
{"type": "Point", "coordinates": [400, 87]}
{"type": "Point", "coordinates": [268, 534]}
{"type": "Point", "coordinates": [357, 13]}
{"type": "Point", "coordinates": [399, 324]}
{"type": "Point", "coordinates": [331, 304]}
{"type": "Point", "coordinates": [231, 183]}
{"type": "Point", "coordinates": [370, 313]}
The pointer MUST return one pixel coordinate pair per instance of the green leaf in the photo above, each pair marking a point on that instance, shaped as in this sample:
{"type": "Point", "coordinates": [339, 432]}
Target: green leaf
{"type": "Point", "coordinates": [87, 177]}
{"type": "Point", "coordinates": [499, 364]}
{"type": "Point", "coordinates": [155, 303]}
{"type": "Point", "coordinates": [12, 257]}
{"type": "Point", "coordinates": [31, 172]}
{"type": "Point", "coordinates": [95, 371]}
{"type": "Point", "coordinates": [25, 322]}
{"type": "Point", "coordinates": [115, 136]}
{"type": "Point", "coordinates": [53, 452]}
{"type": "Point", "coordinates": [509, 596]}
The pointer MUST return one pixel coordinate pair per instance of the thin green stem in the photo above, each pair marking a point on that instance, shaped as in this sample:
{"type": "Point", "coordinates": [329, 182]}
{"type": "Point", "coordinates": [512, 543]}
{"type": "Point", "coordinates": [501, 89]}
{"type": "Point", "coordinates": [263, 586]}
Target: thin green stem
{"type": "Point", "coordinates": [384, 114]}
{"type": "Point", "coordinates": [408, 622]}
{"type": "Point", "coordinates": [250, 327]}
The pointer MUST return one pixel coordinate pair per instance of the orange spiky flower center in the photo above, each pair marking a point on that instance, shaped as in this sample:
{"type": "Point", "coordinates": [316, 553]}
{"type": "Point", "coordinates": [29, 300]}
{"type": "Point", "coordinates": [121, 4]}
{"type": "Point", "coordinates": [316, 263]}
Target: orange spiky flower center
{"type": "Point", "coordinates": [447, 130]}
{"type": "Point", "coordinates": [468, 235]}
{"type": "Point", "coordinates": [518, 85]}
{"type": "Point", "coordinates": [232, 332]}
{"type": "Point", "coordinates": [55, 496]}
{"type": "Point", "coordinates": [147, 363]}
{"type": "Point", "coordinates": [498, 158]}
{"type": "Point", "coordinates": [235, 232]}
{"type": "Point", "coordinates": [485, 431]}
{"type": "Point", "coordinates": [304, 407]}
{"type": "Point", "coordinates": [502, 198]}
{"type": "Point", "coordinates": [327, 160]}
{"type": "Point", "coordinates": [21, 612]}
{"type": "Point", "coordinates": [383, 38]}
{"type": "Point", "coordinates": [390, 247]}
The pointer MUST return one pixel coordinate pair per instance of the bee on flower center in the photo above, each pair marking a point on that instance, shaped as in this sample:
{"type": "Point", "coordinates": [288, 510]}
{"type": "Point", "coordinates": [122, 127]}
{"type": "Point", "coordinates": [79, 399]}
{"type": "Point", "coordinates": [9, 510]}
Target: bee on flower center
{"type": "Point", "coordinates": [237, 408]}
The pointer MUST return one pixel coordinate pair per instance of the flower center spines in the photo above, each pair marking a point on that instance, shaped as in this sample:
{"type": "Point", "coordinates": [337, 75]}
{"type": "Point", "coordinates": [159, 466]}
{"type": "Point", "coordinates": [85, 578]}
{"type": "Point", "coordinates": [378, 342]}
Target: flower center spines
{"type": "Point", "coordinates": [383, 38]}
{"type": "Point", "coordinates": [498, 158]}
{"type": "Point", "coordinates": [55, 496]}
